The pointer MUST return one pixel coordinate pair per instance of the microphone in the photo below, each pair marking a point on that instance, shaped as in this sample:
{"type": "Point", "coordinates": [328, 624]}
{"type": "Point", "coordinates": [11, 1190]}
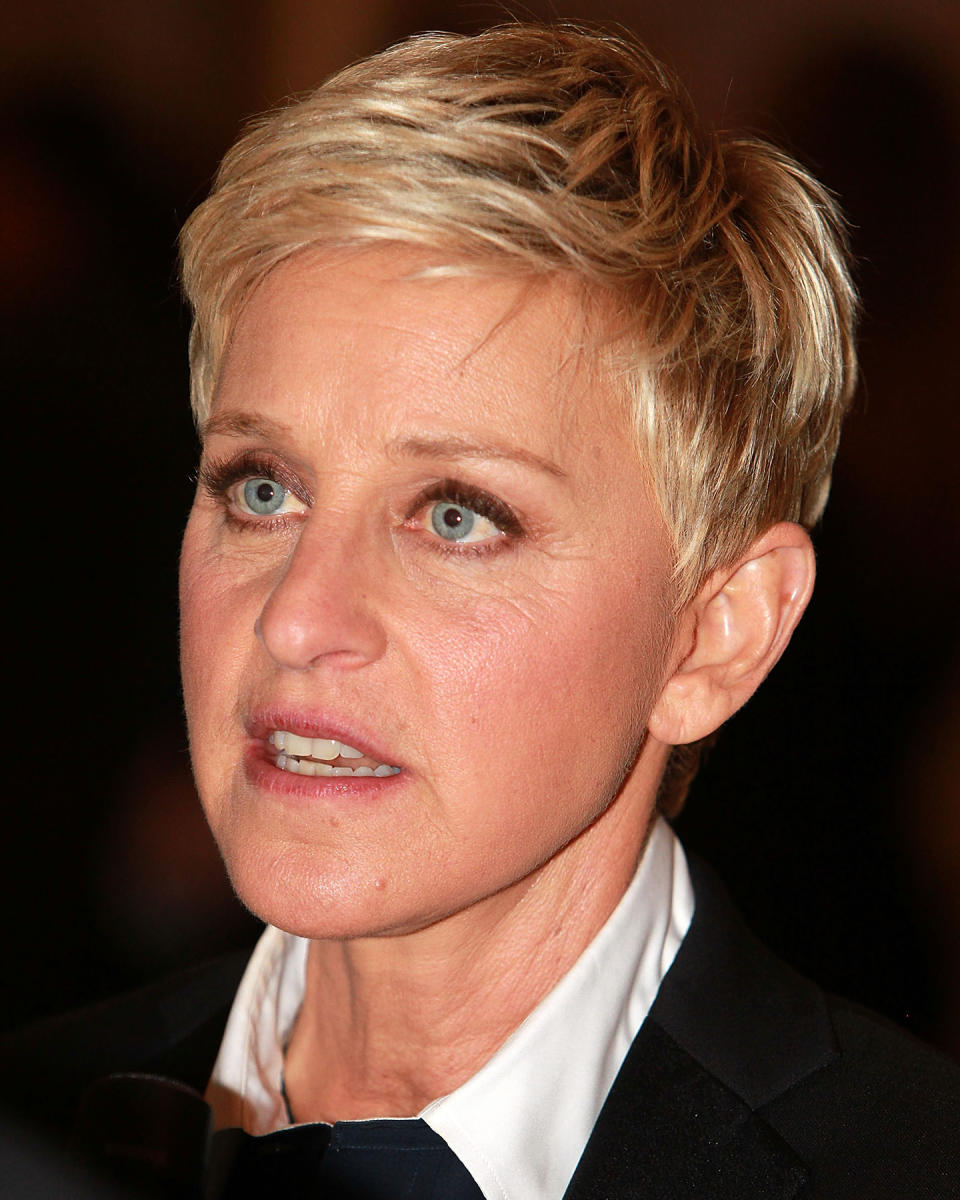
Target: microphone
{"type": "Point", "coordinates": [148, 1134]}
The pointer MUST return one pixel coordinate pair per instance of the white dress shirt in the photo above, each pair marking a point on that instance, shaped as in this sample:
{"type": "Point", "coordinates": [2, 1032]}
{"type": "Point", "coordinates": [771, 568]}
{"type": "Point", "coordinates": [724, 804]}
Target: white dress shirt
{"type": "Point", "coordinates": [520, 1124]}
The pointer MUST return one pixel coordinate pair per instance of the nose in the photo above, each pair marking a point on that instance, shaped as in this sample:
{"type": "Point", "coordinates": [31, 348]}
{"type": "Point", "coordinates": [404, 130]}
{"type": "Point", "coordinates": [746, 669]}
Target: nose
{"type": "Point", "coordinates": [323, 608]}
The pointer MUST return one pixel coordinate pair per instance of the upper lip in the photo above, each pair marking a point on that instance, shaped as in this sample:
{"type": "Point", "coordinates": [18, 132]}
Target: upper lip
{"type": "Point", "coordinates": [263, 721]}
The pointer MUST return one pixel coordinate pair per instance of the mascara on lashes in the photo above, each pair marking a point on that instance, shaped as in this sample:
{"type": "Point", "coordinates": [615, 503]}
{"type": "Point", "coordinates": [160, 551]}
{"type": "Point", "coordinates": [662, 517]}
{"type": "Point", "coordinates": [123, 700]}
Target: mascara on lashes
{"type": "Point", "coordinates": [218, 476]}
{"type": "Point", "coordinates": [452, 491]}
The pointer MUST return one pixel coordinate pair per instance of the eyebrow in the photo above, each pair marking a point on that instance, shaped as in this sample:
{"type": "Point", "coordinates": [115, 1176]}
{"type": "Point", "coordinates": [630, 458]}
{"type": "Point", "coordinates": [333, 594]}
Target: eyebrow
{"type": "Point", "coordinates": [243, 425]}
{"type": "Point", "coordinates": [454, 447]}
{"type": "Point", "coordinates": [252, 425]}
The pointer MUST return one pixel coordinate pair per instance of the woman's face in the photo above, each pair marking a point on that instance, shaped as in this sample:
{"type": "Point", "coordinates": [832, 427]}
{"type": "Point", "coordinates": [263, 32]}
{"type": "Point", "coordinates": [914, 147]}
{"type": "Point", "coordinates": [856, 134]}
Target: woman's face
{"type": "Point", "coordinates": [421, 531]}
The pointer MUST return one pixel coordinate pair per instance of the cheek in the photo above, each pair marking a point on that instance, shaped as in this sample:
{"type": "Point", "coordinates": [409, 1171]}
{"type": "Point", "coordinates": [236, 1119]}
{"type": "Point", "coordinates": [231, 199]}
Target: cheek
{"type": "Point", "coordinates": [594, 640]}
{"type": "Point", "coordinates": [216, 623]}
{"type": "Point", "coordinates": [561, 678]}
{"type": "Point", "coordinates": [196, 629]}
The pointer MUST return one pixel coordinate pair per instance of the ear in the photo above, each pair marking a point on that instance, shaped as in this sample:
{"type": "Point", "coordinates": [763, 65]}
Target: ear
{"type": "Point", "coordinates": [733, 632]}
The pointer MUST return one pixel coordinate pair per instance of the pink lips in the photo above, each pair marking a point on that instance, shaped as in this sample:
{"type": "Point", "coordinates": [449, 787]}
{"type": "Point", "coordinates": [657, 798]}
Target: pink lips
{"type": "Point", "coordinates": [260, 758]}
{"type": "Point", "coordinates": [264, 721]}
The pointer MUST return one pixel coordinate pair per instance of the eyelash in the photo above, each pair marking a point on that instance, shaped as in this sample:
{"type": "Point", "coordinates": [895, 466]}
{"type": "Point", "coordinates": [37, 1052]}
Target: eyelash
{"type": "Point", "coordinates": [452, 491]}
{"type": "Point", "coordinates": [218, 476]}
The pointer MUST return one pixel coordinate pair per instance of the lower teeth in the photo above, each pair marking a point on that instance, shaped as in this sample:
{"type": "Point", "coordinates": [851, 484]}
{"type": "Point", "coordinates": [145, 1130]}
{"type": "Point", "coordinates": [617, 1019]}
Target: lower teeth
{"type": "Point", "coordinates": [307, 766]}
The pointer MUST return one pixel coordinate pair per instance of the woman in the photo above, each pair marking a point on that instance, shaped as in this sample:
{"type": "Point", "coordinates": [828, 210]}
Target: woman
{"type": "Point", "coordinates": [518, 395]}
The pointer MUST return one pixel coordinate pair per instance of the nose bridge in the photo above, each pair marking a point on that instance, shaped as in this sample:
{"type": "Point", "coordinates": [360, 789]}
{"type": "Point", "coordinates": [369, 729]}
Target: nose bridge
{"type": "Point", "coordinates": [322, 606]}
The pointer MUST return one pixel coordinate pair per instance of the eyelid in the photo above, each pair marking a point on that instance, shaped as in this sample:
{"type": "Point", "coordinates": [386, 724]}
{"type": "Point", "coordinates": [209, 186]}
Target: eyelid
{"type": "Point", "coordinates": [218, 475]}
{"type": "Point", "coordinates": [453, 491]}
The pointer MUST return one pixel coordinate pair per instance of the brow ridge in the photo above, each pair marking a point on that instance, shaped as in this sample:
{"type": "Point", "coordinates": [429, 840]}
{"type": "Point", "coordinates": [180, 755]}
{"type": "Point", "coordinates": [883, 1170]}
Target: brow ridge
{"type": "Point", "coordinates": [457, 447]}
{"type": "Point", "coordinates": [242, 424]}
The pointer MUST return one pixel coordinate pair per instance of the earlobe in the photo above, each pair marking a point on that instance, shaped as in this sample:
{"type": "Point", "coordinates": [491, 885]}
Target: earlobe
{"type": "Point", "coordinates": [736, 628]}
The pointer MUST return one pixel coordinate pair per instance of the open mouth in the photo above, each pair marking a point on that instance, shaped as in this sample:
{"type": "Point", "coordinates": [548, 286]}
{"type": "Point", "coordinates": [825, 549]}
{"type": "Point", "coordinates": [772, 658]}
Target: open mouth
{"type": "Point", "coordinates": [323, 756]}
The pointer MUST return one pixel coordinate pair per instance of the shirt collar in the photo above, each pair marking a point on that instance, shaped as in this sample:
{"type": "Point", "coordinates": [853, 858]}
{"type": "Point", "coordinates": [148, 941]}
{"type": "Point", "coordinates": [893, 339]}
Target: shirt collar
{"type": "Point", "coordinates": [507, 1123]}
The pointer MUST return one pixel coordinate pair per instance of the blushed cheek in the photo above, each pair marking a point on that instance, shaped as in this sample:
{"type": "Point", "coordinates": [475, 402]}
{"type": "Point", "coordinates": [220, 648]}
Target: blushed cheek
{"type": "Point", "coordinates": [599, 677]}
{"type": "Point", "coordinates": [551, 706]}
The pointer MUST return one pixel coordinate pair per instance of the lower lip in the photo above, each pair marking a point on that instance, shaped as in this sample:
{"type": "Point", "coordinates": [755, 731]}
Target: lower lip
{"type": "Point", "coordinates": [262, 771]}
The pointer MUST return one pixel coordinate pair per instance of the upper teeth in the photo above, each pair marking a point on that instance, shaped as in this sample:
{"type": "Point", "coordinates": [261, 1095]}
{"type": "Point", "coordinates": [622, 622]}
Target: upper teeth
{"type": "Point", "coordinates": [310, 756]}
{"type": "Point", "coordinates": [325, 749]}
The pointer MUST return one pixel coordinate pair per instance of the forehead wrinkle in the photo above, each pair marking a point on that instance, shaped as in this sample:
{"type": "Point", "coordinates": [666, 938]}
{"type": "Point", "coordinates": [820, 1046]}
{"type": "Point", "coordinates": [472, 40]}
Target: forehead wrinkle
{"type": "Point", "coordinates": [520, 302]}
{"type": "Point", "coordinates": [562, 361]}
{"type": "Point", "coordinates": [550, 293]}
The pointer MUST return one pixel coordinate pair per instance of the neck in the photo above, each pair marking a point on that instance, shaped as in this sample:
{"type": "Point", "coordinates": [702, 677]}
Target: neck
{"type": "Point", "coordinates": [399, 1021]}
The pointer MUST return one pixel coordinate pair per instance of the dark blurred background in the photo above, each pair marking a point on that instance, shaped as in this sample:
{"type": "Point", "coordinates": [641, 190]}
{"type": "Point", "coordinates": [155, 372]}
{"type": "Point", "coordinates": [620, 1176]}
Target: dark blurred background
{"type": "Point", "coordinates": [831, 805]}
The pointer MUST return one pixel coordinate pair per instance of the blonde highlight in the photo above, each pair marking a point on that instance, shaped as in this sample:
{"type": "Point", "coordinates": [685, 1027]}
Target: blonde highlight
{"type": "Point", "coordinates": [720, 263]}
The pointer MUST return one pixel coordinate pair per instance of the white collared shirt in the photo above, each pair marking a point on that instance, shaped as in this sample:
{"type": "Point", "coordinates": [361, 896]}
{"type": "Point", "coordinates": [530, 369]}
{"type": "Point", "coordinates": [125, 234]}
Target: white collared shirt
{"type": "Point", "coordinates": [520, 1124]}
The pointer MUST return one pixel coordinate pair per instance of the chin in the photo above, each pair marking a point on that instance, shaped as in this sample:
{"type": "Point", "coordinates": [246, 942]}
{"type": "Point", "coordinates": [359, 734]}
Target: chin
{"type": "Point", "coordinates": [287, 887]}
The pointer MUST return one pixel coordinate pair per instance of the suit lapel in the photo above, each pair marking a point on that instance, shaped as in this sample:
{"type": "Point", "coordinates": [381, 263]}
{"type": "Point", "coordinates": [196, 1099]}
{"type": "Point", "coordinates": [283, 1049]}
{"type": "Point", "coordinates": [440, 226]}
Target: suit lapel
{"type": "Point", "coordinates": [671, 1131]}
{"type": "Point", "coordinates": [731, 1030]}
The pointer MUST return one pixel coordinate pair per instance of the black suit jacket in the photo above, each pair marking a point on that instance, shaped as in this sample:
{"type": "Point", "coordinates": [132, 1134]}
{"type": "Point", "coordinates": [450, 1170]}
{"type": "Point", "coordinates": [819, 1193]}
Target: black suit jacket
{"type": "Point", "coordinates": [744, 1081]}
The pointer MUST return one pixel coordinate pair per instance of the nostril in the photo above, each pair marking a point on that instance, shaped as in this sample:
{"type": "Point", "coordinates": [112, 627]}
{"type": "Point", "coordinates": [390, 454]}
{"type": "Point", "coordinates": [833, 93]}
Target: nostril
{"type": "Point", "coordinates": [320, 607]}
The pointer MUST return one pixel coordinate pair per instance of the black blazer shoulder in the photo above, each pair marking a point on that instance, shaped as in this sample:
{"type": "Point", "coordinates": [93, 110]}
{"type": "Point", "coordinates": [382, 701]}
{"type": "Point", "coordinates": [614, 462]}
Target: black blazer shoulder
{"type": "Point", "coordinates": [747, 1080]}
{"type": "Point", "coordinates": [171, 1028]}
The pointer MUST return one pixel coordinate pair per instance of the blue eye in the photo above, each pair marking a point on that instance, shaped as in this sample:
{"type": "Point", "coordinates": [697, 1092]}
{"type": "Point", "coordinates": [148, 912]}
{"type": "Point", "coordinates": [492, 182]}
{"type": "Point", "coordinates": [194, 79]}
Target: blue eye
{"type": "Point", "coordinates": [459, 523]}
{"type": "Point", "coordinates": [265, 497]}
{"type": "Point", "coordinates": [453, 521]}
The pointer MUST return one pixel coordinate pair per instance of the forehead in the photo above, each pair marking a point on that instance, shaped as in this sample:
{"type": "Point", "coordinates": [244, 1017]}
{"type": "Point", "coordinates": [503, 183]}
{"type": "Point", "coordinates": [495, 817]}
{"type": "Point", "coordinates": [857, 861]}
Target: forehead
{"type": "Point", "coordinates": [419, 343]}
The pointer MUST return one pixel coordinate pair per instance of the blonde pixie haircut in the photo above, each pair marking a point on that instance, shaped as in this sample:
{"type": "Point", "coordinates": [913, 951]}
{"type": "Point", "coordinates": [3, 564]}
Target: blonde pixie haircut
{"type": "Point", "coordinates": [720, 263]}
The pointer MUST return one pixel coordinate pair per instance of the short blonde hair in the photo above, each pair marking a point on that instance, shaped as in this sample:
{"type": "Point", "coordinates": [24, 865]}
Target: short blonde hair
{"type": "Point", "coordinates": [556, 150]}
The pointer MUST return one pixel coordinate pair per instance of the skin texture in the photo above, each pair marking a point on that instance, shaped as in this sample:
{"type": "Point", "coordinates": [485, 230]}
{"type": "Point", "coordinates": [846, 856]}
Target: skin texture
{"type": "Point", "coordinates": [513, 679]}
